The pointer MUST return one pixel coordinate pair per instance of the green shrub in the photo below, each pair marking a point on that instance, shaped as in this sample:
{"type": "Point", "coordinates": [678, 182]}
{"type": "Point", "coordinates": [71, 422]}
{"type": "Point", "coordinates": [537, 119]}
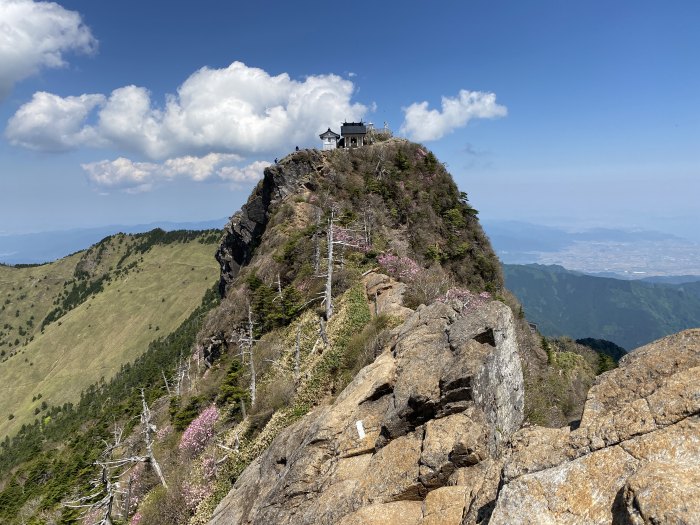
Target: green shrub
{"type": "Point", "coordinates": [363, 347]}
{"type": "Point", "coordinates": [185, 415]}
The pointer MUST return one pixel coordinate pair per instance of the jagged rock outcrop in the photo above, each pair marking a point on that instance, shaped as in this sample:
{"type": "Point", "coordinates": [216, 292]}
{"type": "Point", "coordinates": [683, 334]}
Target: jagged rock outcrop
{"type": "Point", "coordinates": [634, 459]}
{"type": "Point", "coordinates": [410, 440]}
{"type": "Point", "coordinates": [245, 229]}
{"type": "Point", "coordinates": [386, 295]}
{"type": "Point", "coordinates": [377, 187]}
{"type": "Point", "coordinates": [440, 410]}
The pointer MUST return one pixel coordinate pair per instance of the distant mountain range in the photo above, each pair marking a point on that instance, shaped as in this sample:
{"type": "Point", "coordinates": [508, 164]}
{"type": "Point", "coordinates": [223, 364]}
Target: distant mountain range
{"type": "Point", "coordinates": [627, 312]}
{"type": "Point", "coordinates": [37, 248]}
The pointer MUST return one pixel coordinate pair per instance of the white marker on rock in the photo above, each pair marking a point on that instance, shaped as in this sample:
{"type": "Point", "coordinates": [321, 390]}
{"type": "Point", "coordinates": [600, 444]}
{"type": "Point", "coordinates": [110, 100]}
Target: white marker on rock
{"type": "Point", "coordinates": [360, 429]}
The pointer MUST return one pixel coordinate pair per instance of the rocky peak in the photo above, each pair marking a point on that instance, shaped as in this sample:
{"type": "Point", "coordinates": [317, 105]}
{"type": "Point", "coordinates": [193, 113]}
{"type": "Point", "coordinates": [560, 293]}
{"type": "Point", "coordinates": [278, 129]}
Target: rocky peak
{"type": "Point", "coordinates": [404, 197]}
{"type": "Point", "coordinates": [246, 227]}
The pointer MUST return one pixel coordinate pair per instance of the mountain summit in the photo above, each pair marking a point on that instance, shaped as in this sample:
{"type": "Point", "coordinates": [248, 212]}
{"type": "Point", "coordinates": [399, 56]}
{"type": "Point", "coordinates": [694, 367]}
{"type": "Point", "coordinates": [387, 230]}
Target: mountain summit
{"type": "Point", "coordinates": [363, 364]}
{"type": "Point", "coordinates": [394, 196]}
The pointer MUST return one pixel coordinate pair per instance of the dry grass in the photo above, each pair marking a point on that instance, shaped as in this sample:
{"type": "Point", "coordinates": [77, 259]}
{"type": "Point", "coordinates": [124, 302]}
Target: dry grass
{"type": "Point", "coordinates": [108, 330]}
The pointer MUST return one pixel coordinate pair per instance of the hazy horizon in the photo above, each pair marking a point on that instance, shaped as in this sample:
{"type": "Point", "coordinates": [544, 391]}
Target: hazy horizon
{"type": "Point", "coordinates": [558, 114]}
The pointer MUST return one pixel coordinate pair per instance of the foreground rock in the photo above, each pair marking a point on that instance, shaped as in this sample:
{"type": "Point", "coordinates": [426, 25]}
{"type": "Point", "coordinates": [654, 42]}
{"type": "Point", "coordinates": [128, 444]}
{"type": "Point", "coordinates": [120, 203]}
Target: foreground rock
{"type": "Point", "coordinates": [440, 442]}
{"type": "Point", "coordinates": [635, 458]}
{"type": "Point", "coordinates": [414, 439]}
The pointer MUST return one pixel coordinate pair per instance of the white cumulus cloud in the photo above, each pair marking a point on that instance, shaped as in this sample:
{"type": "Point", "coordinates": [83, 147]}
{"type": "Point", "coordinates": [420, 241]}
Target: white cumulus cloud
{"type": "Point", "coordinates": [237, 109]}
{"type": "Point", "coordinates": [246, 174]}
{"type": "Point", "coordinates": [127, 175]}
{"type": "Point", "coordinates": [52, 123]}
{"type": "Point", "coordinates": [36, 35]}
{"type": "Point", "coordinates": [423, 124]}
{"type": "Point", "coordinates": [122, 173]}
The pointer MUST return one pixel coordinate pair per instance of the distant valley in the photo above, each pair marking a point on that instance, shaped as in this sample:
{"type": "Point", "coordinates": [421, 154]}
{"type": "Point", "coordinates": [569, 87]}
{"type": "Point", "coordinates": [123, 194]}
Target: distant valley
{"type": "Point", "coordinates": [630, 313]}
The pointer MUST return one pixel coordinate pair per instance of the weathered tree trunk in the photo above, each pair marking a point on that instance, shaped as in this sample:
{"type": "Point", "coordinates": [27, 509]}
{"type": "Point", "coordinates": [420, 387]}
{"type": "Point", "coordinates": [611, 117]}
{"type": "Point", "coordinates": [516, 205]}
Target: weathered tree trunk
{"type": "Point", "coordinates": [127, 502]}
{"type": "Point", "coordinates": [165, 379]}
{"type": "Point", "coordinates": [317, 245]}
{"type": "Point", "coordinates": [147, 431]}
{"type": "Point", "coordinates": [252, 361]}
{"type": "Point", "coordinates": [322, 331]}
{"type": "Point", "coordinates": [297, 355]}
{"type": "Point", "coordinates": [329, 275]}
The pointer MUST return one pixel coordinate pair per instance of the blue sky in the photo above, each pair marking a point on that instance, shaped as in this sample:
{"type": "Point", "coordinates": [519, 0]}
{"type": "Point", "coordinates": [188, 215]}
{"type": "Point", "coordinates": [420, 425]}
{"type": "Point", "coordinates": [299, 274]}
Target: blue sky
{"type": "Point", "coordinates": [572, 114]}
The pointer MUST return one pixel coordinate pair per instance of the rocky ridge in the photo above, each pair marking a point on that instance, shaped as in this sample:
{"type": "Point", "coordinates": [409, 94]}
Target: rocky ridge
{"type": "Point", "coordinates": [430, 432]}
{"type": "Point", "coordinates": [431, 413]}
{"type": "Point", "coordinates": [440, 411]}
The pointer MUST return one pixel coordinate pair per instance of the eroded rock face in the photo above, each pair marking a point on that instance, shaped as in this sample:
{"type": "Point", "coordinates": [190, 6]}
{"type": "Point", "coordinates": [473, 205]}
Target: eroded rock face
{"type": "Point", "coordinates": [243, 232]}
{"type": "Point", "coordinates": [441, 410]}
{"type": "Point", "coordinates": [635, 457]}
{"type": "Point", "coordinates": [436, 407]}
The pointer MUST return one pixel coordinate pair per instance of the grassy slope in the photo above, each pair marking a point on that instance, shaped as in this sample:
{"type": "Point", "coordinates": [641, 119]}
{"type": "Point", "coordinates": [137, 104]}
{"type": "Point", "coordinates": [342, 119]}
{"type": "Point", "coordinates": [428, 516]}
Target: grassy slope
{"type": "Point", "coordinates": [110, 329]}
{"type": "Point", "coordinates": [31, 291]}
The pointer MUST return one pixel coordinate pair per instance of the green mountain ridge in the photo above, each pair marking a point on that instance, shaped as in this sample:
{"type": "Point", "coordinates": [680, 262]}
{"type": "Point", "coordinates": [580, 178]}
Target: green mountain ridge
{"type": "Point", "coordinates": [629, 313]}
{"type": "Point", "coordinates": [70, 323]}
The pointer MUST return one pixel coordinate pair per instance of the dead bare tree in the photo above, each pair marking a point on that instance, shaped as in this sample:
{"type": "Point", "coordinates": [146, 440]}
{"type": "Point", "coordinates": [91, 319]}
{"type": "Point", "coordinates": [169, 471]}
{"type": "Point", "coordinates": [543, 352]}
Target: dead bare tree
{"type": "Point", "coordinates": [165, 380]}
{"type": "Point", "coordinates": [368, 219]}
{"type": "Point", "coordinates": [336, 236]}
{"type": "Point", "coordinates": [297, 355]}
{"type": "Point", "coordinates": [322, 331]}
{"type": "Point", "coordinates": [279, 288]}
{"type": "Point", "coordinates": [317, 244]}
{"type": "Point", "coordinates": [106, 487]}
{"type": "Point", "coordinates": [148, 429]}
{"type": "Point", "coordinates": [245, 344]}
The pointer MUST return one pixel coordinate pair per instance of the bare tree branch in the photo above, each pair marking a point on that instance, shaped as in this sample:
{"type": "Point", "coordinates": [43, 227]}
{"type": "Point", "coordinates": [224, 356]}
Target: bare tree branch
{"type": "Point", "coordinates": [148, 429]}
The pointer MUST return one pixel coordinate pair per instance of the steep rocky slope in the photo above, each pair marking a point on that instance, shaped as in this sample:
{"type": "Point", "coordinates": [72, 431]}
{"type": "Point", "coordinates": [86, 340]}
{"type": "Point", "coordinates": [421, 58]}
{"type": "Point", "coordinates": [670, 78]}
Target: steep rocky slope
{"type": "Point", "coordinates": [635, 458]}
{"type": "Point", "coordinates": [429, 416]}
{"type": "Point", "coordinates": [440, 410]}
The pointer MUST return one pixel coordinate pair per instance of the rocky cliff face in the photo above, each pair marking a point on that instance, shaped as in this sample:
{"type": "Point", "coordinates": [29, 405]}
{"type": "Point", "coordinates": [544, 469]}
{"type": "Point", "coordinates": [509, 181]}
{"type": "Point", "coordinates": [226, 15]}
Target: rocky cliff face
{"type": "Point", "coordinates": [440, 443]}
{"type": "Point", "coordinates": [244, 231]}
{"type": "Point", "coordinates": [412, 436]}
{"type": "Point", "coordinates": [634, 459]}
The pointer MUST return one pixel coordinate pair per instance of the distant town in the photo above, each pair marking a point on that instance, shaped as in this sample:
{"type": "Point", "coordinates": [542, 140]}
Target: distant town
{"type": "Point", "coordinates": [631, 260]}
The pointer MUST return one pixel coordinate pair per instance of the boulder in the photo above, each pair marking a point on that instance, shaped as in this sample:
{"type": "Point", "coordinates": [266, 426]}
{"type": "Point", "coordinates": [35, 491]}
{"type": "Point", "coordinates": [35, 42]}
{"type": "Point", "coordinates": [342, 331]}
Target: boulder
{"type": "Point", "coordinates": [635, 458]}
{"type": "Point", "coordinates": [663, 492]}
